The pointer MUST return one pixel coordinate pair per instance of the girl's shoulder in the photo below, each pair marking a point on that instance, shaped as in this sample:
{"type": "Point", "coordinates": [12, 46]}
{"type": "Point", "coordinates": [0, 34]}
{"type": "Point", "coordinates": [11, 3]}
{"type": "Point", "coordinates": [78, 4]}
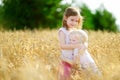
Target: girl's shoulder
{"type": "Point", "coordinates": [63, 30]}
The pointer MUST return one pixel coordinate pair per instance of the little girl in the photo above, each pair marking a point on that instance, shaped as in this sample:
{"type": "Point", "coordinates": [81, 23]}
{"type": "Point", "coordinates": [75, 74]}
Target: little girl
{"type": "Point", "coordinates": [72, 20]}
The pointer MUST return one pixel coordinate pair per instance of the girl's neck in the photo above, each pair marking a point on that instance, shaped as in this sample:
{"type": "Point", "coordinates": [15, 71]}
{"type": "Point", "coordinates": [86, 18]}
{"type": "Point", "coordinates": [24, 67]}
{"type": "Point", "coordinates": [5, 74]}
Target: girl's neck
{"type": "Point", "coordinates": [70, 29]}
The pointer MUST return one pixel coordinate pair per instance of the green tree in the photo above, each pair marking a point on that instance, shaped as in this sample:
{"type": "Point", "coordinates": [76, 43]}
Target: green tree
{"type": "Point", "coordinates": [100, 20]}
{"type": "Point", "coordinates": [1, 10]}
{"type": "Point", "coordinates": [31, 14]}
{"type": "Point", "coordinates": [104, 20]}
{"type": "Point", "coordinates": [87, 17]}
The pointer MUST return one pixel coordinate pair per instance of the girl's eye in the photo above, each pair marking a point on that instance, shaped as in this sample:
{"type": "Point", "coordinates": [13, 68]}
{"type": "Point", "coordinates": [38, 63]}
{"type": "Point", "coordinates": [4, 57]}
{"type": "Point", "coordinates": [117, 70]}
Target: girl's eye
{"type": "Point", "coordinates": [76, 20]}
{"type": "Point", "coordinates": [72, 19]}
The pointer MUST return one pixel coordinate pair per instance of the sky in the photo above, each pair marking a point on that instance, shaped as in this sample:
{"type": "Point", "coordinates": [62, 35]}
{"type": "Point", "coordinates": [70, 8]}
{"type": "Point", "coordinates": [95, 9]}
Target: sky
{"type": "Point", "coordinates": [111, 5]}
{"type": "Point", "coordinates": [0, 1]}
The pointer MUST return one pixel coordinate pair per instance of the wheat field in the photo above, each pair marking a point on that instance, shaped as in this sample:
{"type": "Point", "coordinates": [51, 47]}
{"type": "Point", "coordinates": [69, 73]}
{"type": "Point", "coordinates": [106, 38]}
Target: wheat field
{"type": "Point", "coordinates": [34, 55]}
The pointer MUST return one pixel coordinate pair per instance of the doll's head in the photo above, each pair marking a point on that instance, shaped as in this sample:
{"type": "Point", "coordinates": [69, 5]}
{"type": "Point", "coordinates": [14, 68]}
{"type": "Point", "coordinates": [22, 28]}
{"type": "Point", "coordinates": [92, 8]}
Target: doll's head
{"type": "Point", "coordinates": [77, 37]}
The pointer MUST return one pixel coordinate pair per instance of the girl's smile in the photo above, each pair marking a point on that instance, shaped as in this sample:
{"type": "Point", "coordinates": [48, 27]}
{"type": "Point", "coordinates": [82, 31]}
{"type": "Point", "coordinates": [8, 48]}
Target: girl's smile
{"type": "Point", "coordinates": [72, 21]}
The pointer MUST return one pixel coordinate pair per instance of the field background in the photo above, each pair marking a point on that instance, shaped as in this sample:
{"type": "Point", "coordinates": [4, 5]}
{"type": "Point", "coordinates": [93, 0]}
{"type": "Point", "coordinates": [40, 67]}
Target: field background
{"type": "Point", "coordinates": [34, 55]}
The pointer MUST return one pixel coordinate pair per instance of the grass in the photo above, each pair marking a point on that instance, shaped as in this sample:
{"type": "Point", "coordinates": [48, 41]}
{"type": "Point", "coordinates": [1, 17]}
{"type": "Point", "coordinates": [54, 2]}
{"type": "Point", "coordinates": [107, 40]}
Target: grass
{"type": "Point", "coordinates": [34, 55]}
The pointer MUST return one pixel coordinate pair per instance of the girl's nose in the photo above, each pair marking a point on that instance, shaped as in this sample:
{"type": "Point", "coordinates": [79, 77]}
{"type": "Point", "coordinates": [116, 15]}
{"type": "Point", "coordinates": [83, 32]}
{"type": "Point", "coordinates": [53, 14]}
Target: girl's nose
{"type": "Point", "coordinates": [74, 22]}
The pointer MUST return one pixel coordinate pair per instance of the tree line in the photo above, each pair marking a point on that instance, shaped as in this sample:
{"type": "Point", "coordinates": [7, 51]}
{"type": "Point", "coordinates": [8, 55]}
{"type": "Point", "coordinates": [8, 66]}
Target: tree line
{"type": "Point", "coordinates": [34, 14]}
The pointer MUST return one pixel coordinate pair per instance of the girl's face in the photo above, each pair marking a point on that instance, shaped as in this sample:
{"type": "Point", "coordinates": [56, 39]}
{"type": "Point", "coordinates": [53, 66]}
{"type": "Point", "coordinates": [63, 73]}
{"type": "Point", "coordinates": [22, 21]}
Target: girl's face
{"type": "Point", "coordinates": [72, 21]}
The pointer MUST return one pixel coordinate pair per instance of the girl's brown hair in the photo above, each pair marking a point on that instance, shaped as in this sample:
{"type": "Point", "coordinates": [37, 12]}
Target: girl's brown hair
{"type": "Point", "coordinates": [72, 11]}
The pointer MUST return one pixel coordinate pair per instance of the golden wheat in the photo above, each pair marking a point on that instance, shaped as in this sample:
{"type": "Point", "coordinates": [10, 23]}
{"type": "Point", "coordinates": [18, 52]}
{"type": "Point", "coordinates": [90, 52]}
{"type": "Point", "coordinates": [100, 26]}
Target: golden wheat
{"type": "Point", "coordinates": [34, 55]}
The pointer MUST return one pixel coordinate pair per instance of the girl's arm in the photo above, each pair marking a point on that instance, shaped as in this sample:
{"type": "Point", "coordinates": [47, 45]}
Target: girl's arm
{"type": "Point", "coordinates": [66, 46]}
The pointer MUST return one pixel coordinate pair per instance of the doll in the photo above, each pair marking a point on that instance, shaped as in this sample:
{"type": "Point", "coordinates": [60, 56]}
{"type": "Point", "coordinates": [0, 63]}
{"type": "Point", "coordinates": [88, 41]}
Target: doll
{"type": "Point", "coordinates": [78, 37]}
{"type": "Point", "coordinates": [82, 57]}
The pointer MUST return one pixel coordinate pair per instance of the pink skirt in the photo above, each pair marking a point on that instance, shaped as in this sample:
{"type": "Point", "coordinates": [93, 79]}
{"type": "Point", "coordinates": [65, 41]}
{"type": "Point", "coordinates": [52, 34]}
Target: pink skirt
{"type": "Point", "coordinates": [65, 69]}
